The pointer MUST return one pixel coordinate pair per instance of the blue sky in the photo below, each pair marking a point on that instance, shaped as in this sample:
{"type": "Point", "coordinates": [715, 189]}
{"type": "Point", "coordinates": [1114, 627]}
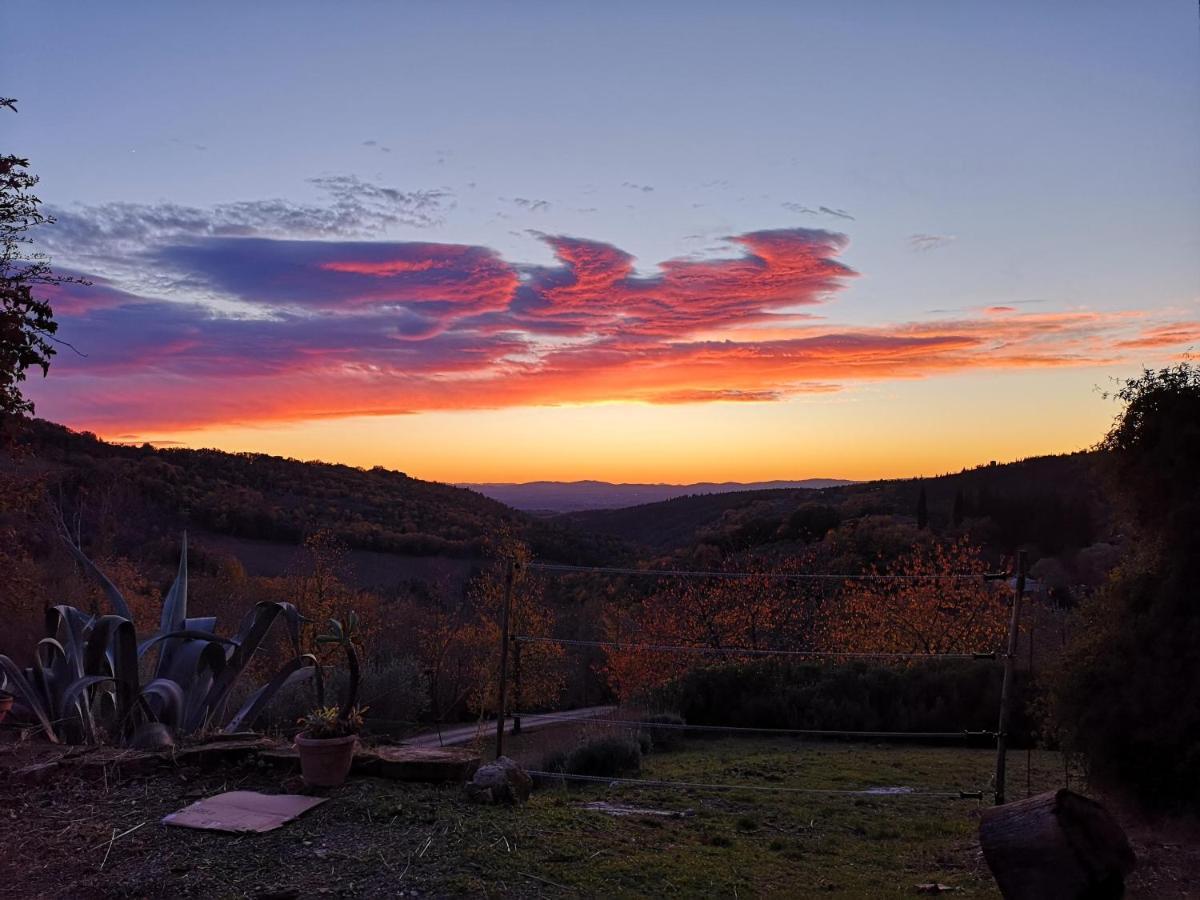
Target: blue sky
{"type": "Point", "coordinates": [1039, 156]}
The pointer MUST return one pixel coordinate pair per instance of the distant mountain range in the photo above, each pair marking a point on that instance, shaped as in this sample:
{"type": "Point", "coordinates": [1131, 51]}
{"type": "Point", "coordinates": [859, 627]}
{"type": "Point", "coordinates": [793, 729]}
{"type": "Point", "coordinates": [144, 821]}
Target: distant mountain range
{"type": "Point", "coordinates": [573, 496]}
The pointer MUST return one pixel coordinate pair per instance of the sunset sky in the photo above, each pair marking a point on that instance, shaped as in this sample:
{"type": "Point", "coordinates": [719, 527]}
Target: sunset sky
{"type": "Point", "coordinates": [518, 241]}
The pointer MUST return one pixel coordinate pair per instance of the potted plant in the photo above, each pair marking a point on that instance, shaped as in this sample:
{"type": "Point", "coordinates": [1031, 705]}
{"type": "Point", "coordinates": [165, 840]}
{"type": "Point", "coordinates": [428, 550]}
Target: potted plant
{"type": "Point", "coordinates": [329, 734]}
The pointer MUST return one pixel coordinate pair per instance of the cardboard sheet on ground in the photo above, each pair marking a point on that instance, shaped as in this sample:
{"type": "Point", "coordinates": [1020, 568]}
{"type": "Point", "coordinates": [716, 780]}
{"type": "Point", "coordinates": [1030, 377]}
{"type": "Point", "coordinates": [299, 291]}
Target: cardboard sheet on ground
{"type": "Point", "coordinates": [241, 811]}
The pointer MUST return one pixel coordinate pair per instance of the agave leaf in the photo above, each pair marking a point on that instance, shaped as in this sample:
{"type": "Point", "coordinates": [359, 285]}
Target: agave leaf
{"type": "Point", "coordinates": [188, 633]}
{"type": "Point", "coordinates": [165, 700]}
{"type": "Point", "coordinates": [299, 669]}
{"type": "Point", "coordinates": [70, 625]}
{"type": "Point", "coordinates": [120, 607]}
{"type": "Point", "coordinates": [74, 691]}
{"type": "Point", "coordinates": [253, 629]}
{"type": "Point", "coordinates": [174, 613]}
{"type": "Point", "coordinates": [112, 650]}
{"type": "Point", "coordinates": [208, 660]}
{"type": "Point", "coordinates": [17, 684]}
{"type": "Point", "coordinates": [73, 626]}
{"type": "Point", "coordinates": [50, 674]}
{"type": "Point", "coordinates": [77, 695]}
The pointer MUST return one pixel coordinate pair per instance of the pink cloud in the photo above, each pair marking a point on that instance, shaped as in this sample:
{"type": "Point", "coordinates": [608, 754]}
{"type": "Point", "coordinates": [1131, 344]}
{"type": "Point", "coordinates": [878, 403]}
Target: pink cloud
{"type": "Point", "coordinates": [354, 328]}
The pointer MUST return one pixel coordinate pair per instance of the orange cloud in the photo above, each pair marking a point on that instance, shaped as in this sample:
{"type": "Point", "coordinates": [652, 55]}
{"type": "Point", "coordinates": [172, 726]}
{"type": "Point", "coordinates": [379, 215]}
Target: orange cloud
{"type": "Point", "coordinates": [352, 329]}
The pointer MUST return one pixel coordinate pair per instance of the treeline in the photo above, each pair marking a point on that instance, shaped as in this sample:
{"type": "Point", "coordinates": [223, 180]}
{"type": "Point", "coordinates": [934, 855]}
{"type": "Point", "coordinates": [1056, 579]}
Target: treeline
{"type": "Point", "coordinates": [1050, 506]}
{"type": "Point", "coordinates": [257, 496]}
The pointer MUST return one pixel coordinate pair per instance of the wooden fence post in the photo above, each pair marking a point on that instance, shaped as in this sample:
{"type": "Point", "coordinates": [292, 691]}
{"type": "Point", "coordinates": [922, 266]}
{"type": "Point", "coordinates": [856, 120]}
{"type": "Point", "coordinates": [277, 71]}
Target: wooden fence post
{"type": "Point", "coordinates": [1007, 686]}
{"type": "Point", "coordinates": [516, 729]}
{"type": "Point", "coordinates": [510, 576]}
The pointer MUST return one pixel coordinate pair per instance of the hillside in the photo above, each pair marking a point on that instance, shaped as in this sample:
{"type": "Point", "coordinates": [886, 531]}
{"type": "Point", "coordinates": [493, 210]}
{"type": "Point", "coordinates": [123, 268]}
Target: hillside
{"type": "Point", "coordinates": [1051, 502]}
{"type": "Point", "coordinates": [270, 498]}
{"type": "Point", "coordinates": [573, 496]}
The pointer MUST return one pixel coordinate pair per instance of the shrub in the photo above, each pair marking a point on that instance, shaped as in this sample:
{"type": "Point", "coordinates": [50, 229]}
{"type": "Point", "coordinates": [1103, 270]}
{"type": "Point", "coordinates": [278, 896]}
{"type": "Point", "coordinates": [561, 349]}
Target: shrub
{"type": "Point", "coordinates": [935, 696]}
{"type": "Point", "coordinates": [668, 735]}
{"type": "Point", "coordinates": [394, 687]}
{"type": "Point", "coordinates": [606, 757]}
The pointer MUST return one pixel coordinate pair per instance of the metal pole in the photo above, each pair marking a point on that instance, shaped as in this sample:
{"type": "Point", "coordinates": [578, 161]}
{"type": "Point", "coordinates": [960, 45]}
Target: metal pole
{"type": "Point", "coordinates": [1006, 687]}
{"type": "Point", "coordinates": [504, 614]}
{"type": "Point", "coordinates": [516, 729]}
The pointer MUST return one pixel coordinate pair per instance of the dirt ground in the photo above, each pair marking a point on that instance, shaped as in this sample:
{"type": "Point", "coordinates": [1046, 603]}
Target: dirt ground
{"type": "Point", "coordinates": [102, 837]}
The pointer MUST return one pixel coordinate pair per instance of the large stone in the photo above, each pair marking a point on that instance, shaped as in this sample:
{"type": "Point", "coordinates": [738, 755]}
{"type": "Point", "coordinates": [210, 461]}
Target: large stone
{"type": "Point", "coordinates": [502, 781]}
{"type": "Point", "coordinates": [429, 764]}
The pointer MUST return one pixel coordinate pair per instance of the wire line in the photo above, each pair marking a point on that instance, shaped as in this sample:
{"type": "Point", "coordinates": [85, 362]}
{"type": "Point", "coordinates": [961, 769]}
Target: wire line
{"type": "Point", "coordinates": [798, 576]}
{"type": "Point", "coordinates": [745, 651]}
{"type": "Point", "coordinates": [692, 785]}
{"type": "Point", "coordinates": [634, 723]}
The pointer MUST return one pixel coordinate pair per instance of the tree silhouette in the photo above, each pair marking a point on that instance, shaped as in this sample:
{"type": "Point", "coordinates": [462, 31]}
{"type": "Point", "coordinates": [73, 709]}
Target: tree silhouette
{"type": "Point", "coordinates": [1127, 693]}
{"type": "Point", "coordinates": [922, 509]}
{"type": "Point", "coordinates": [27, 323]}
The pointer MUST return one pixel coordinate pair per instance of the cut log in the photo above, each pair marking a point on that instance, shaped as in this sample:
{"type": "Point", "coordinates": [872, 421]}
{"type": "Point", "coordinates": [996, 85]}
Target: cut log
{"type": "Point", "coordinates": [1058, 844]}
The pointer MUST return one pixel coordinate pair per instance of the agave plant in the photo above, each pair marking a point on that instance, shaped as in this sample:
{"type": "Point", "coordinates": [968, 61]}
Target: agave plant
{"type": "Point", "coordinates": [84, 684]}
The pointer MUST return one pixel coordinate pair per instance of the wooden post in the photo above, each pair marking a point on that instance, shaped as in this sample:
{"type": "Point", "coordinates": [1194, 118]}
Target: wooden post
{"type": "Point", "coordinates": [1006, 687]}
{"type": "Point", "coordinates": [1029, 675]}
{"type": "Point", "coordinates": [510, 577]}
{"type": "Point", "coordinates": [517, 689]}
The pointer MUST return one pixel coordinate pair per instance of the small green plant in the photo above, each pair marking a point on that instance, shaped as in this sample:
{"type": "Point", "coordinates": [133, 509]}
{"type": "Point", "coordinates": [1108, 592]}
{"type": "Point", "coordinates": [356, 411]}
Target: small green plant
{"type": "Point", "coordinates": [331, 721]}
{"type": "Point", "coordinates": [328, 722]}
{"type": "Point", "coordinates": [344, 635]}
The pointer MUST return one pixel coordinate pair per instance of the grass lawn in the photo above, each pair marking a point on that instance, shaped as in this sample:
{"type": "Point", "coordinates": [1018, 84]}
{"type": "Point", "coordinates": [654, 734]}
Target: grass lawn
{"type": "Point", "coordinates": [381, 838]}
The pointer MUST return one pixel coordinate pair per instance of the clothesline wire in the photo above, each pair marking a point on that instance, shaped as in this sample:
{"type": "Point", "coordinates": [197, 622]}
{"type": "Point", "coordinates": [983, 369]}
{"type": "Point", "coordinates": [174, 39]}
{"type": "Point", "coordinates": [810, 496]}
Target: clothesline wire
{"type": "Point", "coordinates": [794, 576]}
{"type": "Point", "coordinates": [692, 785]}
{"type": "Point", "coordinates": [743, 651]}
{"type": "Point", "coordinates": [812, 732]}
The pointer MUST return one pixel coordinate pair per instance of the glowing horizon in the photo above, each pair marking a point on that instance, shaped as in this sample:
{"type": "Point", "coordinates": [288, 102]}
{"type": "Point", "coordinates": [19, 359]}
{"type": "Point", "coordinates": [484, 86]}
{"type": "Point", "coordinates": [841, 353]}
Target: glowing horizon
{"type": "Point", "coordinates": [801, 268]}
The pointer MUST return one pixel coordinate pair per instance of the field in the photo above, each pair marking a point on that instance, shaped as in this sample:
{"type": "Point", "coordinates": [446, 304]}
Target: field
{"type": "Point", "coordinates": [381, 838]}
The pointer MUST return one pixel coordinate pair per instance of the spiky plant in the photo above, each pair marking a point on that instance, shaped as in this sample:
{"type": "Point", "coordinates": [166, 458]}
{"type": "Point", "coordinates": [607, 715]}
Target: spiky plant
{"type": "Point", "coordinates": [84, 685]}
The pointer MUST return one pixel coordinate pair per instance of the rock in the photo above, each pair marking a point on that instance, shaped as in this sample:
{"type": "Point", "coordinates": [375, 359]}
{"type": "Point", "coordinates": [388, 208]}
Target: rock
{"type": "Point", "coordinates": [502, 781]}
{"type": "Point", "coordinates": [428, 764]}
{"type": "Point", "coordinates": [1057, 844]}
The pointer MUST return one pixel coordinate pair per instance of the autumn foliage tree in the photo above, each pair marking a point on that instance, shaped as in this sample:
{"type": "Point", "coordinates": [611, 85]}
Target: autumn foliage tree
{"type": "Point", "coordinates": [461, 644]}
{"type": "Point", "coordinates": [920, 604]}
{"type": "Point", "coordinates": [753, 609]}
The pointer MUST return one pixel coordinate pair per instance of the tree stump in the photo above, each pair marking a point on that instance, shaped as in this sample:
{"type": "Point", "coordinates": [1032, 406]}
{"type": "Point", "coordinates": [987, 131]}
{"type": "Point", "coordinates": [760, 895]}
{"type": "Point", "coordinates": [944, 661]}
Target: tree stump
{"type": "Point", "coordinates": [1056, 844]}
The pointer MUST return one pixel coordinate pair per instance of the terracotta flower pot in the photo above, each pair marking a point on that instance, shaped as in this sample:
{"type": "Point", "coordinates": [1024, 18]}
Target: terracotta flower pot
{"type": "Point", "coordinates": [6, 703]}
{"type": "Point", "coordinates": [325, 762]}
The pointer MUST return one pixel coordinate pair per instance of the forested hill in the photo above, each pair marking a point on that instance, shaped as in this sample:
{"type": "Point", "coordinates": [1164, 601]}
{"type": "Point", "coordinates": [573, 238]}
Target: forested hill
{"type": "Point", "coordinates": [253, 495]}
{"type": "Point", "coordinates": [574, 496]}
{"type": "Point", "coordinates": [1051, 502]}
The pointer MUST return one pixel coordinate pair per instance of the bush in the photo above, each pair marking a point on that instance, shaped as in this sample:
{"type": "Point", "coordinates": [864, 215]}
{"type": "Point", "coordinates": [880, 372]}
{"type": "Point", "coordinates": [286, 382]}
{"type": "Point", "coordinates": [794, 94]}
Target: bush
{"type": "Point", "coordinates": [937, 695]}
{"type": "Point", "coordinates": [393, 688]}
{"type": "Point", "coordinates": [607, 757]}
{"type": "Point", "coordinates": [665, 737]}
